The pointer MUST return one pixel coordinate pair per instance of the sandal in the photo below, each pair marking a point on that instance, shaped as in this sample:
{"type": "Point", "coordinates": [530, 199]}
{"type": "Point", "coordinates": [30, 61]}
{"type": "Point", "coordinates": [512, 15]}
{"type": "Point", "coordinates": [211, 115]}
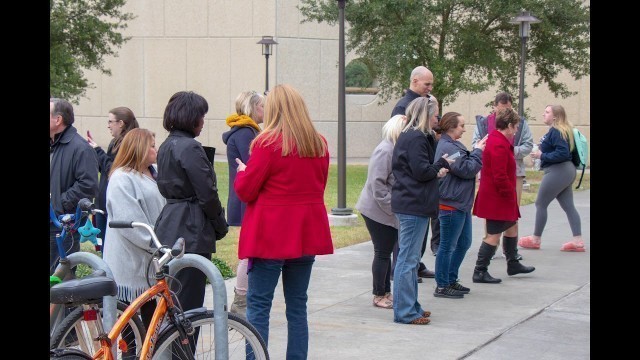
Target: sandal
{"type": "Point", "coordinates": [389, 296]}
{"type": "Point", "coordinates": [528, 242]}
{"type": "Point", "coordinates": [426, 313]}
{"type": "Point", "coordinates": [382, 302]}
{"type": "Point", "coordinates": [420, 321]}
{"type": "Point", "coordinates": [573, 247]}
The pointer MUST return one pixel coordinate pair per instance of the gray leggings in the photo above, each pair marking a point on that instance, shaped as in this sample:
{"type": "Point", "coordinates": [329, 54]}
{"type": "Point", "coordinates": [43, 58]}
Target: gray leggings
{"type": "Point", "coordinates": [556, 184]}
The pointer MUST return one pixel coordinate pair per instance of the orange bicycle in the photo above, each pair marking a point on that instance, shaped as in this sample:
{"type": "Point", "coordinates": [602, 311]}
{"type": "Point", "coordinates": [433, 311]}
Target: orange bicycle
{"type": "Point", "coordinates": [172, 333]}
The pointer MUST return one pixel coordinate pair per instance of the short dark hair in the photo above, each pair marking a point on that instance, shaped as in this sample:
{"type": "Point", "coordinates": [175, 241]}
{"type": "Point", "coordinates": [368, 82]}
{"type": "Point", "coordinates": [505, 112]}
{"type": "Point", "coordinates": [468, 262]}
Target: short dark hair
{"type": "Point", "coordinates": [63, 108]}
{"type": "Point", "coordinates": [184, 111]}
{"type": "Point", "coordinates": [503, 98]}
{"type": "Point", "coordinates": [506, 116]}
{"type": "Point", "coordinates": [449, 121]}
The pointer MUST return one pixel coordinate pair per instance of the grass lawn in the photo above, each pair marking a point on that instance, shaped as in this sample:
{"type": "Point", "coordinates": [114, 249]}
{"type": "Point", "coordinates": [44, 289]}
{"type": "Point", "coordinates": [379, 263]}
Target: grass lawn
{"type": "Point", "coordinates": [227, 248]}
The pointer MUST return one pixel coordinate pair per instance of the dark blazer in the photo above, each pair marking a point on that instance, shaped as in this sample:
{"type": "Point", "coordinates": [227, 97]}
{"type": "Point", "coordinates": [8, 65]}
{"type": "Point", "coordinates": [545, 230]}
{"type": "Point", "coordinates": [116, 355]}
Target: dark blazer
{"type": "Point", "coordinates": [187, 180]}
{"type": "Point", "coordinates": [415, 191]}
{"type": "Point", "coordinates": [237, 140]}
{"type": "Point", "coordinates": [105, 159]}
{"type": "Point", "coordinates": [401, 106]}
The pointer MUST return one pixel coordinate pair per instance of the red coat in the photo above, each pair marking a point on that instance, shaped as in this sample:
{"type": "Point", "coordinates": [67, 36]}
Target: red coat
{"type": "Point", "coordinates": [286, 216]}
{"type": "Point", "coordinates": [496, 198]}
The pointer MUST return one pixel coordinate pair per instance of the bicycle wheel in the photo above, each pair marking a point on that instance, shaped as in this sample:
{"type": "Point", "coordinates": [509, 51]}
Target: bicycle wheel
{"type": "Point", "coordinates": [244, 340]}
{"type": "Point", "coordinates": [75, 333]}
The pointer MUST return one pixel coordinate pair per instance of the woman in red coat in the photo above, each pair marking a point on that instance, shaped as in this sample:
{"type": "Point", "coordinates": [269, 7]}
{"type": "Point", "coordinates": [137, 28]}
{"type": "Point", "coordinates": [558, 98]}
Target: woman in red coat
{"type": "Point", "coordinates": [285, 223]}
{"type": "Point", "coordinates": [496, 200]}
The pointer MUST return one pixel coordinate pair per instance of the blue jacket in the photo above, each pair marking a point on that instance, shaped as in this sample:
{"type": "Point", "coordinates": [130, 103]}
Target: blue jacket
{"type": "Point", "coordinates": [457, 189]}
{"type": "Point", "coordinates": [415, 191]}
{"type": "Point", "coordinates": [554, 148]}
{"type": "Point", "coordinates": [237, 140]}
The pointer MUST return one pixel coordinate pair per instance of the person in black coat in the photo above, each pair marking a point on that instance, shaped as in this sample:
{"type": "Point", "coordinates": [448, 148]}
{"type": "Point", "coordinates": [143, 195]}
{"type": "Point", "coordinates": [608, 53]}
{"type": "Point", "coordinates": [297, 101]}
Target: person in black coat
{"type": "Point", "coordinates": [187, 180]}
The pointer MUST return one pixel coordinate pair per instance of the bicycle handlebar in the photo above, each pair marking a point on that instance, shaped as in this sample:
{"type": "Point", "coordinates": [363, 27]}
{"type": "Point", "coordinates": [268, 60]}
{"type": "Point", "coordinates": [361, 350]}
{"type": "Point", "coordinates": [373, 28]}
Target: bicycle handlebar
{"type": "Point", "coordinates": [176, 251]}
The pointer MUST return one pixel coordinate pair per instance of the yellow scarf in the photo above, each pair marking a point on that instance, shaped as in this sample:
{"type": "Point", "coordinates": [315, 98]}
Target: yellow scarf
{"type": "Point", "coordinates": [241, 120]}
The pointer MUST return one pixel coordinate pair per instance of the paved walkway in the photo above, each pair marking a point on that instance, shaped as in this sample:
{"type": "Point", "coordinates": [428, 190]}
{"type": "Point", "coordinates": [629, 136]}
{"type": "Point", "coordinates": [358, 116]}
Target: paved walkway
{"type": "Point", "coordinates": [542, 315]}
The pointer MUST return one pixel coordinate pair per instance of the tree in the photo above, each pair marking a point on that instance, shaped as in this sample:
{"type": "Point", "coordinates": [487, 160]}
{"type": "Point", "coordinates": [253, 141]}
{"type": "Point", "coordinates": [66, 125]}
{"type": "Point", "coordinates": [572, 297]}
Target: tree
{"type": "Point", "coordinates": [469, 45]}
{"type": "Point", "coordinates": [82, 33]}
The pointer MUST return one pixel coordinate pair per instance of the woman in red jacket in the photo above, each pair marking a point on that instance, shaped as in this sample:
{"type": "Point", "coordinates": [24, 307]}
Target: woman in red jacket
{"type": "Point", "coordinates": [496, 200]}
{"type": "Point", "coordinates": [285, 223]}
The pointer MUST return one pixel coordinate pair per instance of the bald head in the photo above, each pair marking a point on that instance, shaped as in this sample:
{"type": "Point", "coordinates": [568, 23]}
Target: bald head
{"type": "Point", "coordinates": [421, 81]}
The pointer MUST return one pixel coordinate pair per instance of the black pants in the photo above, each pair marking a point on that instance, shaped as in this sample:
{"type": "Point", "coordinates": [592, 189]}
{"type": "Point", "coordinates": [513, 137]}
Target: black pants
{"type": "Point", "coordinates": [192, 286]}
{"type": "Point", "coordinates": [384, 239]}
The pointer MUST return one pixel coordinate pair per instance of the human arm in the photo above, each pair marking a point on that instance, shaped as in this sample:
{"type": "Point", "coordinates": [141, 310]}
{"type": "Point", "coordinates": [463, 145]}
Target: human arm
{"type": "Point", "coordinates": [251, 176]}
{"type": "Point", "coordinates": [419, 161]}
{"type": "Point", "coordinates": [526, 142]}
{"type": "Point", "coordinates": [85, 170]}
{"type": "Point", "coordinates": [200, 173]}
{"type": "Point", "coordinates": [554, 149]}
{"type": "Point", "coordinates": [500, 157]}
{"type": "Point", "coordinates": [379, 176]}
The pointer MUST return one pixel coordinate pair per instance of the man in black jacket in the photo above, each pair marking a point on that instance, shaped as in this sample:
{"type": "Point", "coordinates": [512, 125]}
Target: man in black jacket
{"type": "Point", "coordinates": [73, 172]}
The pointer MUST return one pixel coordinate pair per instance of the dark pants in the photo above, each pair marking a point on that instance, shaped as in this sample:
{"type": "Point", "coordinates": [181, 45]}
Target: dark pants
{"type": "Point", "coordinates": [384, 239]}
{"type": "Point", "coordinates": [192, 286]}
{"type": "Point", "coordinates": [70, 244]}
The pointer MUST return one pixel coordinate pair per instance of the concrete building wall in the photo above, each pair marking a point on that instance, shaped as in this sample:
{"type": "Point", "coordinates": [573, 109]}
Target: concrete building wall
{"type": "Point", "coordinates": [209, 46]}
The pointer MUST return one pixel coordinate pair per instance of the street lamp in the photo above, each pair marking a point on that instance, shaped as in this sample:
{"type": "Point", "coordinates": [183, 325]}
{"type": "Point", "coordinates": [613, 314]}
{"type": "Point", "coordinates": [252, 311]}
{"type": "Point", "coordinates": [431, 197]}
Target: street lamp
{"type": "Point", "coordinates": [524, 20]}
{"type": "Point", "coordinates": [266, 42]}
{"type": "Point", "coordinates": [342, 209]}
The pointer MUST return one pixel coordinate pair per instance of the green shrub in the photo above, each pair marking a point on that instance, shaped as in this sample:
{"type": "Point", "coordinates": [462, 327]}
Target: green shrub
{"type": "Point", "coordinates": [356, 74]}
{"type": "Point", "coordinates": [224, 268]}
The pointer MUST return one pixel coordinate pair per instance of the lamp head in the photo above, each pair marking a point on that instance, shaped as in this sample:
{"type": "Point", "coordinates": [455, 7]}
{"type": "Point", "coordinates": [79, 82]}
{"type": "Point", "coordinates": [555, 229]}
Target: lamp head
{"type": "Point", "coordinates": [266, 42]}
{"type": "Point", "coordinates": [524, 20]}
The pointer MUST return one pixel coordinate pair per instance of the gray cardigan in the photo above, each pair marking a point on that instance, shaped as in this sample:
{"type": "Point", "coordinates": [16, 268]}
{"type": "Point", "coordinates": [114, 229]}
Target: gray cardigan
{"type": "Point", "coordinates": [131, 196]}
{"type": "Point", "coordinates": [375, 198]}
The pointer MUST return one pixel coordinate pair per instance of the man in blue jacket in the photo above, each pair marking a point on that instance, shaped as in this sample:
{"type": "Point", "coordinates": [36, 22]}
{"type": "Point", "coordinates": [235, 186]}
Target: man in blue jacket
{"type": "Point", "coordinates": [73, 172]}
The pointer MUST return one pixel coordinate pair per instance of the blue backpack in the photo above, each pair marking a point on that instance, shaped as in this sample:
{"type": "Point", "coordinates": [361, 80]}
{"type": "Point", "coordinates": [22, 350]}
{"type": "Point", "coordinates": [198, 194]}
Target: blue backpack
{"type": "Point", "coordinates": [579, 152]}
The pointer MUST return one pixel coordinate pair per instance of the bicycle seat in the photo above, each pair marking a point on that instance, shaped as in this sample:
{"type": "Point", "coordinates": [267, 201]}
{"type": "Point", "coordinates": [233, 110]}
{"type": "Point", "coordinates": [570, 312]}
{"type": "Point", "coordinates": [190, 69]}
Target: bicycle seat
{"type": "Point", "coordinates": [88, 290]}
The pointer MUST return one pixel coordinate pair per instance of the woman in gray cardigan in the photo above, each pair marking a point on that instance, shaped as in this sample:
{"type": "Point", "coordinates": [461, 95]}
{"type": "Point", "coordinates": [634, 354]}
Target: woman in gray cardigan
{"type": "Point", "coordinates": [133, 195]}
{"type": "Point", "coordinates": [374, 205]}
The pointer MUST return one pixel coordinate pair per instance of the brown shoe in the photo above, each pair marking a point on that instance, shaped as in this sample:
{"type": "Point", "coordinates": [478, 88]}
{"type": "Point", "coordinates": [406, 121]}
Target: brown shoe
{"type": "Point", "coordinates": [426, 274]}
{"type": "Point", "coordinates": [426, 313]}
{"type": "Point", "coordinates": [420, 321]}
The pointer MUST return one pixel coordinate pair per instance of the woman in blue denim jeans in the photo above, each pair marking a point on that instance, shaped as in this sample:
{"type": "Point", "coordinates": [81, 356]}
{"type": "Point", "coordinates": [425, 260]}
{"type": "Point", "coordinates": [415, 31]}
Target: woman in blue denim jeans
{"type": "Point", "coordinates": [285, 223]}
{"type": "Point", "coordinates": [456, 200]}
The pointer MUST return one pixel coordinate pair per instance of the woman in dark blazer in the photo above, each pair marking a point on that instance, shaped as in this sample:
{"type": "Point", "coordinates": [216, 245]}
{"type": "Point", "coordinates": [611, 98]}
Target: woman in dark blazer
{"type": "Point", "coordinates": [187, 180]}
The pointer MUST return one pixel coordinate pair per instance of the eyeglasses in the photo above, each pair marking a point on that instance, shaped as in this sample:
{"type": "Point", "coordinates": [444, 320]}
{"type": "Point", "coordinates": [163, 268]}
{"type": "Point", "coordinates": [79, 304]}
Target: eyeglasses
{"type": "Point", "coordinates": [112, 121]}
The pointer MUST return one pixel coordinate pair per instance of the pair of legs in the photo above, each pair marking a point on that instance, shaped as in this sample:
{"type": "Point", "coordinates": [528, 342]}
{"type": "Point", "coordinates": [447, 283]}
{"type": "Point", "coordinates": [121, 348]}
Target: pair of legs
{"type": "Point", "coordinates": [556, 184]}
{"type": "Point", "coordinates": [384, 238]}
{"type": "Point", "coordinates": [239, 304]}
{"type": "Point", "coordinates": [519, 183]}
{"type": "Point", "coordinates": [435, 241]}
{"type": "Point", "coordinates": [406, 308]}
{"type": "Point", "coordinates": [263, 278]}
{"type": "Point", "coordinates": [455, 240]}
{"type": "Point", "coordinates": [488, 248]}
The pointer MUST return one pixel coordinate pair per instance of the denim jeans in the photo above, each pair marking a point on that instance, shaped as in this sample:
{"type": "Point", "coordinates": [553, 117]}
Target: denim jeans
{"type": "Point", "coordinates": [406, 307]}
{"type": "Point", "coordinates": [455, 240]}
{"type": "Point", "coordinates": [263, 278]}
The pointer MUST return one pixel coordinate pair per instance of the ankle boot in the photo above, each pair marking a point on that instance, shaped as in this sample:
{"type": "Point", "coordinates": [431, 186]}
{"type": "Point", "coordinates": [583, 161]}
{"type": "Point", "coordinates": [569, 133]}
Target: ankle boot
{"type": "Point", "coordinates": [239, 304]}
{"type": "Point", "coordinates": [513, 265]}
{"type": "Point", "coordinates": [480, 273]}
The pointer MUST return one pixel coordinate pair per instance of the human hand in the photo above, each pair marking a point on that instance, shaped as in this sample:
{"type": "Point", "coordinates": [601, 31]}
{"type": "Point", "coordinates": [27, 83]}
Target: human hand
{"type": "Point", "coordinates": [446, 157]}
{"type": "Point", "coordinates": [482, 143]}
{"type": "Point", "coordinates": [90, 140]}
{"type": "Point", "coordinates": [443, 172]}
{"type": "Point", "coordinates": [241, 165]}
{"type": "Point", "coordinates": [536, 154]}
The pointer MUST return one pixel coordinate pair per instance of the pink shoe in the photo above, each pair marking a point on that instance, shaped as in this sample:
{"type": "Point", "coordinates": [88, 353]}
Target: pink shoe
{"type": "Point", "coordinates": [573, 247]}
{"type": "Point", "coordinates": [528, 242]}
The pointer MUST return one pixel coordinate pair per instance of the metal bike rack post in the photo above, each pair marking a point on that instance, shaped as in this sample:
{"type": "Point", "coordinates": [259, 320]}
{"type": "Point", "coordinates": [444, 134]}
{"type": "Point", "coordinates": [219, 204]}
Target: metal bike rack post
{"type": "Point", "coordinates": [219, 297]}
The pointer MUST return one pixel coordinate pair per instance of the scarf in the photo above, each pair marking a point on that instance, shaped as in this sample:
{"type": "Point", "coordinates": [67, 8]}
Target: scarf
{"type": "Point", "coordinates": [242, 120]}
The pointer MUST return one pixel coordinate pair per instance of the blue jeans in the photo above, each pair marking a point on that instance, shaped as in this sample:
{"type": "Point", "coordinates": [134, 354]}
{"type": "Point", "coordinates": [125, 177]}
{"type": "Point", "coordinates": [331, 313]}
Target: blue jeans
{"type": "Point", "coordinates": [406, 307]}
{"type": "Point", "coordinates": [455, 240]}
{"type": "Point", "coordinates": [263, 278]}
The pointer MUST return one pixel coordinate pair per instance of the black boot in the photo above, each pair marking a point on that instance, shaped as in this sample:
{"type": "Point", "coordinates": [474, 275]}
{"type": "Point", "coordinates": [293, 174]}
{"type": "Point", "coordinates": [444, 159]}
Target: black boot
{"type": "Point", "coordinates": [504, 251]}
{"type": "Point", "coordinates": [480, 273]}
{"type": "Point", "coordinates": [513, 264]}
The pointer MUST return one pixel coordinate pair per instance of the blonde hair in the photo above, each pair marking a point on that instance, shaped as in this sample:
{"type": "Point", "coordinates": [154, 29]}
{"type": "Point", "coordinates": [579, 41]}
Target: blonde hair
{"type": "Point", "coordinates": [133, 150]}
{"type": "Point", "coordinates": [393, 127]}
{"type": "Point", "coordinates": [563, 125]}
{"type": "Point", "coordinates": [419, 113]}
{"type": "Point", "coordinates": [287, 121]}
{"type": "Point", "coordinates": [247, 101]}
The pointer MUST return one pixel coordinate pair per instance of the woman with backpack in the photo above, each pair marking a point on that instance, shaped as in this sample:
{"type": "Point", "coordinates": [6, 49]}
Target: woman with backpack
{"type": "Point", "coordinates": [554, 152]}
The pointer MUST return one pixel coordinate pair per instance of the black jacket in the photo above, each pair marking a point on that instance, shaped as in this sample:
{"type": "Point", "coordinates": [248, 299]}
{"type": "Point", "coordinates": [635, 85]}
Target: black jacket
{"type": "Point", "coordinates": [401, 106]}
{"type": "Point", "coordinates": [415, 191]}
{"type": "Point", "coordinates": [187, 180]}
{"type": "Point", "coordinates": [105, 159]}
{"type": "Point", "coordinates": [73, 171]}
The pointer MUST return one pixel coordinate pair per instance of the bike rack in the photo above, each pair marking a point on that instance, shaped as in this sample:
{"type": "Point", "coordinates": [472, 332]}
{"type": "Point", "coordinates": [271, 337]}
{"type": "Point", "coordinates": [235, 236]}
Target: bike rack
{"type": "Point", "coordinates": [219, 297]}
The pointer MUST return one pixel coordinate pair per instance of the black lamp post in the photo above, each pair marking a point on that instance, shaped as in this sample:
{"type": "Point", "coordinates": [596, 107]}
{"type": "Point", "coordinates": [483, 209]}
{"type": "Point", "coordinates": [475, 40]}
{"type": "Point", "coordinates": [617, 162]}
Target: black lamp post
{"type": "Point", "coordinates": [342, 208]}
{"type": "Point", "coordinates": [524, 20]}
{"type": "Point", "coordinates": [266, 42]}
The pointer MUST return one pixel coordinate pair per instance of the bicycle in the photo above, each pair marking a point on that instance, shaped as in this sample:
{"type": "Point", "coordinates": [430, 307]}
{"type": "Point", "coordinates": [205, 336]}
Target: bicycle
{"type": "Point", "coordinates": [79, 326]}
{"type": "Point", "coordinates": [175, 334]}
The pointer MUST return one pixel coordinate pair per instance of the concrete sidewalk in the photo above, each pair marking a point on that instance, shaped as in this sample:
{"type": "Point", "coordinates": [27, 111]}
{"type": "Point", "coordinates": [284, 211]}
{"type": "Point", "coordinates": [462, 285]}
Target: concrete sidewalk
{"type": "Point", "coordinates": [542, 315]}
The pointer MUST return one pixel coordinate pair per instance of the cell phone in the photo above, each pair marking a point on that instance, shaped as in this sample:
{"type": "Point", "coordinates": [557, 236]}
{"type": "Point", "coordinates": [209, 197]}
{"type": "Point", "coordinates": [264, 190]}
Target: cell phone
{"type": "Point", "coordinates": [454, 155]}
{"type": "Point", "coordinates": [89, 134]}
